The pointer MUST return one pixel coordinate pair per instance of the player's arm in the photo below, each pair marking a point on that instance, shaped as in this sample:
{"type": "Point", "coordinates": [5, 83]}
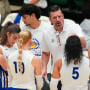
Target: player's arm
{"type": "Point", "coordinates": [3, 61]}
{"type": "Point", "coordinates": [89, 56]}
{"type": "Point", "coordinates": [89, 53]}
{"type": "Point", "coordinates": [1, 51]}
{"type": "Point", "coordinates": [83, 42]}
{"type": "Point", "coordinates": [37, 67]}
{"type": "Point", "coordinates": [33, 1]}
{"type": "Point", "coordinates": [9, 73]}
{"type": "Point", "coordinates": [55, 75]}
{"type": "Point", "coordinates": [45, 59]}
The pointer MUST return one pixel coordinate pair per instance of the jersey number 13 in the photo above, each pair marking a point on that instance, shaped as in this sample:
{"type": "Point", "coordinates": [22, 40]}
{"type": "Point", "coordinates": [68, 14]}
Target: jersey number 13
{"type": "Point", "coordinates": [15, 64]}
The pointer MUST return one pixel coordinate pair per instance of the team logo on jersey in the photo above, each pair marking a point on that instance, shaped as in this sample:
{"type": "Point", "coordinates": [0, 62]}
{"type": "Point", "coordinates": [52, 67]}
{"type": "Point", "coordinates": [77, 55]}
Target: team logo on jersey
{"type": "Point", "coordinates": [6, 49]}
{"type": "Point", "coordinates": [35, 44]}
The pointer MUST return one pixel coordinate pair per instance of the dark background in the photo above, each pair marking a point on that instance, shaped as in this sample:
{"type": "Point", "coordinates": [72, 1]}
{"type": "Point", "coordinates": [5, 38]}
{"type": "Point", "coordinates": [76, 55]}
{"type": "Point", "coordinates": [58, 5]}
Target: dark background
{"type": "Point", "coordinates": [72, 9]}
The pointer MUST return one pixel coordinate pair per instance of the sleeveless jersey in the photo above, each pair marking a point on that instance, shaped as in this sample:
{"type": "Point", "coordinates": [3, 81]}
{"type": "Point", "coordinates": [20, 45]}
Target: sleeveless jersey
{"type": "Point", "coordinates": [26, 80]}
{"type": "Point", "coordinates": [4, 75]}
{"type": "Point", "coordinates": [7, 51]}
{"type": "Point", "coordinates": [75, 77]}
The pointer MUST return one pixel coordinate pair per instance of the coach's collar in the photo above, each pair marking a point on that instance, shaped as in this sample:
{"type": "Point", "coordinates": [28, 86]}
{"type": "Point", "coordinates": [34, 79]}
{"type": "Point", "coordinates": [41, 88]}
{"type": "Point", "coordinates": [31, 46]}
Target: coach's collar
{"type": "Point", "coordinates": [55, 31]}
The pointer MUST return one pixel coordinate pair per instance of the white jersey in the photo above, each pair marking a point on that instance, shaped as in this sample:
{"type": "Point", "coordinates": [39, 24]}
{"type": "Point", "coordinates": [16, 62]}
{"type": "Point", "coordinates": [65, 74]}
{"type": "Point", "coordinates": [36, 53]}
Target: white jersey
{"type": "Point", "coordinates": [26, 80]}
{"type": "Point", "coordinates": [37, 33]}
{"type": "Point", "coordinates": [75, 77]}
{"type": "Point", "coordinates": [7, 51]}
{"type": "Point", "coordinates": [54, 42]}
{"type": "Point", "coordinates": [40, 3]}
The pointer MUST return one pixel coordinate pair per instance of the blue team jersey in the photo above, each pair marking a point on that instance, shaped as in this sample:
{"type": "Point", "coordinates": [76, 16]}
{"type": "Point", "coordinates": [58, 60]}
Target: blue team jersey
{"type": "Point", "coordinates": [3, 74]}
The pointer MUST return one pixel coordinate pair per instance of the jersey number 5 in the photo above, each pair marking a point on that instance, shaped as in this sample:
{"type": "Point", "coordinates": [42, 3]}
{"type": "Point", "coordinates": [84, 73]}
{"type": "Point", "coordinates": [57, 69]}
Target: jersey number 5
{"type": "Point", "coordinates": [75, 73]}
{"type": "Point", "coordinates": [15, 64]}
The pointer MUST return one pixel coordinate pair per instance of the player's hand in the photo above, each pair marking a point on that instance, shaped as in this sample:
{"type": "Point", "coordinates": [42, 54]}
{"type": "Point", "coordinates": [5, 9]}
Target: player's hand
{"type": "Point", "coordinates": [44, 73]}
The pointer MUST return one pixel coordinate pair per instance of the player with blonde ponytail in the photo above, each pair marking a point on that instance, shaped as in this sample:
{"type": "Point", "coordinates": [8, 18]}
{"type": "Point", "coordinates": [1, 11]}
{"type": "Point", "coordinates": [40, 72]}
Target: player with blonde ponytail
{"type": "Point", "coordinates": [23, 66]}
{"type": "Point", "coordinates": [20, 55]}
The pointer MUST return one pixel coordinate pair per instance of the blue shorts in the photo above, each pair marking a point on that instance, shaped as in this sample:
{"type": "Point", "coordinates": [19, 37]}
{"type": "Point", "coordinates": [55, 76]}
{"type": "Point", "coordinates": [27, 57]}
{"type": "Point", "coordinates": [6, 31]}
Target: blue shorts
{"type": "Point", "coordinates": [2, 88]}
{"type": "Point", "coordinates": [4, 76]}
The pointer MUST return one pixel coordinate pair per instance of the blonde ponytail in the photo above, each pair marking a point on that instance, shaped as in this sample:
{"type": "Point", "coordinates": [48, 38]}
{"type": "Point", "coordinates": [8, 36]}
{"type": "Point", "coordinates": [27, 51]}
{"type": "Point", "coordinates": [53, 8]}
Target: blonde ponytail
{"type": "Point", "coordinates": [20, 55]}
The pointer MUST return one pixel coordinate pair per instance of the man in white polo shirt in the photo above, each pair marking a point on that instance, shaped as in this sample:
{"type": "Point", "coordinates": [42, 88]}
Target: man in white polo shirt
{"type": "Point", "coordinates": [54, 39]}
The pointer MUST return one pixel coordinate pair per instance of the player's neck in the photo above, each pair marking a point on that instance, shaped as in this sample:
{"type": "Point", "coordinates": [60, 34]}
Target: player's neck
{"type": "Point", "coordinates": [26, 46]}
{"type": "Point", "coordinates": [8, 45]}
{"type": "Point", "coordinates": [75, 63]}
{"type": "Point", "coordinates": [35, 24]}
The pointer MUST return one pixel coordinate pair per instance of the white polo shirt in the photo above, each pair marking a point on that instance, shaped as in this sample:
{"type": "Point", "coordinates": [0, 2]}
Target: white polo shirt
{"type": "Point", "coordinates": [37, 33]}
{"type": "Point", "coordinates": [51, 41]}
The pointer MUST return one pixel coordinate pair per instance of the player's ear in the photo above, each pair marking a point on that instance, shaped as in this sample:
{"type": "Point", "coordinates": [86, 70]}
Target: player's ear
{"type": "Point", "coordinates": [50, 19]}
{"type": "Point", "coordinates": [30, 41]}
{"type": "Point", "coordinates": [8, 34]}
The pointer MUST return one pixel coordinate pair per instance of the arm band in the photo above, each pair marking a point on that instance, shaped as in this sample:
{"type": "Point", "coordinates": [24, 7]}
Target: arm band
{"type": "Point", "coordinates": [53, 84]}
{"type": "Point", "coordinates": [39, 82]}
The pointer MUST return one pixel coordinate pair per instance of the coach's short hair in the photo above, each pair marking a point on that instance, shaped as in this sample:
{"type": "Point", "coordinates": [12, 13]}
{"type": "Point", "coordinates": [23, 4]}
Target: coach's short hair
{"type": "Point", "coordinates": [53, 8]}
